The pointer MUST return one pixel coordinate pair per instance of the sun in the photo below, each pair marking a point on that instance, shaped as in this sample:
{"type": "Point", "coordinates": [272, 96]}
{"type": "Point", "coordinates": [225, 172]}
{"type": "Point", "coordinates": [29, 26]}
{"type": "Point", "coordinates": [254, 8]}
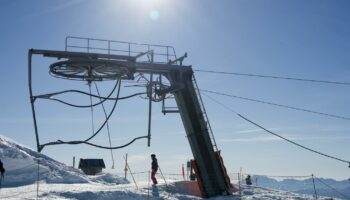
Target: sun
{"type": "Point", "coordinates": [154, 15]}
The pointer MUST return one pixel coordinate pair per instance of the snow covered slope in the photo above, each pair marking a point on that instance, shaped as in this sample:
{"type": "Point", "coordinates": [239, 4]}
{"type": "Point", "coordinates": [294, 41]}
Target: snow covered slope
{"type": "Point", "coordinates": [21, 164]}
{"type": "Point", "coordinates": [58, 181]}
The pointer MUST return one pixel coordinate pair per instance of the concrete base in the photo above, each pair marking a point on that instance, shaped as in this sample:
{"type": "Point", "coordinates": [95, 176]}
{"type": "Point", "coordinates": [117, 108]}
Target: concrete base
{"type": "Point", "coordinates": [189, 188]}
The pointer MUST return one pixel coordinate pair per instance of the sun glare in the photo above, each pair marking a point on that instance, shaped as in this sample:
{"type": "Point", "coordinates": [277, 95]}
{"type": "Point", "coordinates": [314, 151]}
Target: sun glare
{"type": "Point", "coordinates": [151, 7]}
{"type": "Point", "coordinates": [142, 9]}
{"type": "Point", "coordinates": [154, 15]}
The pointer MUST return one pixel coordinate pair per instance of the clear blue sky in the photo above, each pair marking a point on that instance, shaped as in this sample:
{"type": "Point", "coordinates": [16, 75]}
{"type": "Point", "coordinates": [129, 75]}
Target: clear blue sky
{"type": "Point", "coordinates": [307, 39]}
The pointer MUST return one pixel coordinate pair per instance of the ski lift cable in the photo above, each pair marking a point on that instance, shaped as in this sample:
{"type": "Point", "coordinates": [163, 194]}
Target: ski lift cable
{"type": "Point", "coordinates": [103, 124]}
{"type": "Point", "coordinates": [110, 114]}
{"type": "Point", "coordinates": [107, 125]}
{"type": "Point", "coordinates": [274, 77]}
{"type": "Point", "coordinates": [275, 134]}
{"type": "Point", "coordinates": [96, 104]}
{"type": "Point", "coordinates": [342, 194]}
{"type": "Point", "coordinates": [91, 110]}
{"type": "Point", "coordinates": [50, 95]}
{"type": "Point", "coordinates": [276, 104]}
{"type": "Point", "coordinates": [116, 147]}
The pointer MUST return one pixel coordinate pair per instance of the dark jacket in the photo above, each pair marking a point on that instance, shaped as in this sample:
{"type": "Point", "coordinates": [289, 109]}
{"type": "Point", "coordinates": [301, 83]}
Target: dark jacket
{"type": "Point", "coordinates": [248, 181]}
{"type": "Point", "coordinates": [2, 169]}
{"type": "Point", "coordinates": [154, 164]}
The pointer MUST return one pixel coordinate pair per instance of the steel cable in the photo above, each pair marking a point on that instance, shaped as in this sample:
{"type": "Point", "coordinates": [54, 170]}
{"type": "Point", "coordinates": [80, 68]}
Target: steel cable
{"type": "Point", "coordinates": [275, 104]}
{"type": "Point", "coordinates": [104, 147]}
{"type": "Point", "coordinates": [107, 125]}
{"type": "Point", "coordinates": [274, 77]}
{"type": "Point", "coordinates": [104, 123]}
{"type": "Point", "coordinates": [332, 188]}
{"type": "Point", "coordinates": [84, 141]}
{"type": "Point", "coordinates": [275, 134]}
{"type": "Point", "coordinates": [96, 104]}
{"type": "Point", "coordinates": [92, 111]}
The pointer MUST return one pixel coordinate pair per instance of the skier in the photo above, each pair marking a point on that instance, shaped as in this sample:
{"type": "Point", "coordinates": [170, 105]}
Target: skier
{"type": "Point", "coordinates": [154, 169]}
{"type": "Point", "coordinates": [248, 180]}
{"type": "Point", "coordinates": [2, 169]}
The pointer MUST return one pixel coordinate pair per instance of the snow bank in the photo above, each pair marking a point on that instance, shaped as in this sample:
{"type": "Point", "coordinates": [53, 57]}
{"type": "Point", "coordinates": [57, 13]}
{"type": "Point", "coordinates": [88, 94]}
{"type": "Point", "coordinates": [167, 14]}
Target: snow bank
{"type": "Point", "coordinates": [21, 164]}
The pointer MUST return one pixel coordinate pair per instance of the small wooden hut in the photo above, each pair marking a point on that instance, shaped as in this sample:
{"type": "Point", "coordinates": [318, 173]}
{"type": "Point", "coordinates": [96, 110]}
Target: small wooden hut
{"type": "Point", "coordinates": [91, 166]}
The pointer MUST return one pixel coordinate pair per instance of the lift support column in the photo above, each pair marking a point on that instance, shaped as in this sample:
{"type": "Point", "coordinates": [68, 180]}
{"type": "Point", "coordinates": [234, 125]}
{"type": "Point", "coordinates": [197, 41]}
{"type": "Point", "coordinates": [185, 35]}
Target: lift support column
{"type": "Point", "coordinates": [212, 176]}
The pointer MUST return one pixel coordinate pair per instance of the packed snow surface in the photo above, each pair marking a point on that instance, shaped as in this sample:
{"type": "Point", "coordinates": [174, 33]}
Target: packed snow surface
{"type": "Point", "coordinates": [130, 192]}
{"type": "Point", "coordinates": [58, 181]}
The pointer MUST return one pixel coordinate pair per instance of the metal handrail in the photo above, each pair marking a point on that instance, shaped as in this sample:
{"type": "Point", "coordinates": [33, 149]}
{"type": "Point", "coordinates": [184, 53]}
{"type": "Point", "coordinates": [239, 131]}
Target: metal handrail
{"type": "Point", "coordinates": [211, 134]}
{"type": "Point", "coordinates": [168, 51]}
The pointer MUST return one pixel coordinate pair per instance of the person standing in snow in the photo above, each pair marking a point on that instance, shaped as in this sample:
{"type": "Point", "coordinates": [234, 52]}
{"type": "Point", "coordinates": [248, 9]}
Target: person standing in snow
{"type": "Point", "coordinates": [2, 169]}
{"type": "Point", "coordinates": [248, 180]}
{"type": "Point", "coordinates": [154, 169]}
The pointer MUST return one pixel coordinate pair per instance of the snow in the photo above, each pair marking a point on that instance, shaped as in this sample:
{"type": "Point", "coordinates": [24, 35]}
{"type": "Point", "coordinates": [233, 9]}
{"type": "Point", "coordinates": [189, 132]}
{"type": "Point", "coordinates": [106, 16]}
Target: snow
{"type": "Point", "coordinates": [305, 186]}
{"type": "Point", "coordinates": [21, 167]}
{"type": "Point", "coordinates": [58, 181]}
{"type": "Point", "coordinates": [129, 191]}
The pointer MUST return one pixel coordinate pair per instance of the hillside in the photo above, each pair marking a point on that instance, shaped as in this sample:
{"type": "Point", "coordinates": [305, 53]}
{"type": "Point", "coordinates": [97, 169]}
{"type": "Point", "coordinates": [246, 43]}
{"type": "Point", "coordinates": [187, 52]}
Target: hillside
{"type": "Point", "coordinates": [21, 164]}
{"type": "Point", "coordinates": [58, 181]}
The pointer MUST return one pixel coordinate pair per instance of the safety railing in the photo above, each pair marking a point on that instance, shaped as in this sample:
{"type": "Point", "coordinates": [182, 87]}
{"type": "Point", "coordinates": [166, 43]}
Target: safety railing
{"type": "Point", "coordinates": [206, 119]}
{"type": "Point", "coordinates": [161, 53]}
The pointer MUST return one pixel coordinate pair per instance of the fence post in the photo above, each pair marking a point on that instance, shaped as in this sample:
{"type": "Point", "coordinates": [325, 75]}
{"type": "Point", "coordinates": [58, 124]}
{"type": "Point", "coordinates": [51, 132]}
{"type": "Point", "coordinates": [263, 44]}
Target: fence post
{"type": "Point", "coordinates": [149, 176]}
{"type": "Point", "coordinates": [126, 166]}
{"type": "Point", "coordinates": [183, 171]}
{"type": "Point", "coordinates": [38, 179]}
{"type": "Point", "coordinates": [313, 181]}
{"type": "Point", "coordinates": [239, 186]}
{"type": "Point", "coordinates": [256, 181]}
{"type": "Point", "coordinates": [132, 176]}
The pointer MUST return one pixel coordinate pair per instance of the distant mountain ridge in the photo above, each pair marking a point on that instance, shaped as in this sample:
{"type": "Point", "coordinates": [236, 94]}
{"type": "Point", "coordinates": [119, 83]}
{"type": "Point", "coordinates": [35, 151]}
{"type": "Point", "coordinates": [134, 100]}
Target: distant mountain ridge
{"type": "Point", "coordinates": [306, 186]}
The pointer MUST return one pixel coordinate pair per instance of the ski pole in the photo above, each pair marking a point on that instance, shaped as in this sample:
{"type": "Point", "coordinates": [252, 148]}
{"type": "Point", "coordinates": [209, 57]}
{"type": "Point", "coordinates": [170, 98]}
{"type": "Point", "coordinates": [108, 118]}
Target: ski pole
{"type": "Point", "coordinates": [149, 175]}
{"type": "Point", "coordinates": [163, 176]}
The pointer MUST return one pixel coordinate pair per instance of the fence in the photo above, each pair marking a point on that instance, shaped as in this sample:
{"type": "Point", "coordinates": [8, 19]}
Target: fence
{"type": "Point", "coordinates": [140, 181]}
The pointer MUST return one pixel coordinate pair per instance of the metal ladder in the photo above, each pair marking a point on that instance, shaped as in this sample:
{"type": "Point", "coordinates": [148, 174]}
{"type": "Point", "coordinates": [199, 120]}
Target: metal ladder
{"type": "Point", "coordinates": [206, 119]}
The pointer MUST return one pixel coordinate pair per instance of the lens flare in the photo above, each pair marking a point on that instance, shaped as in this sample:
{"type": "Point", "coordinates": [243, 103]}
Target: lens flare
{"type": "Point", "coordinates": [154, 15]}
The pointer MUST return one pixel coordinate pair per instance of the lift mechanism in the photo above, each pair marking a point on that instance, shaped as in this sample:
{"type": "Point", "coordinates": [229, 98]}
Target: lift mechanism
{"type": "Point", "coordinates": [90, 66]}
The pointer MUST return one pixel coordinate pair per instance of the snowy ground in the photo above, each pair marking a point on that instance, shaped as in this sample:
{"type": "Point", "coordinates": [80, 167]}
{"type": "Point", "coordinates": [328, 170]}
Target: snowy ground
{"type": "Point", "coordinates": [129, 191]}
{"type": "Point", "coordinates": [58, 181]}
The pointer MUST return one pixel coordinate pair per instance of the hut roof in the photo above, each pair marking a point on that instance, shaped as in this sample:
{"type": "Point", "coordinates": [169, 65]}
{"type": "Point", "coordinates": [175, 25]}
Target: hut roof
{"type": "Point", "coordinates": [84, 163]}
